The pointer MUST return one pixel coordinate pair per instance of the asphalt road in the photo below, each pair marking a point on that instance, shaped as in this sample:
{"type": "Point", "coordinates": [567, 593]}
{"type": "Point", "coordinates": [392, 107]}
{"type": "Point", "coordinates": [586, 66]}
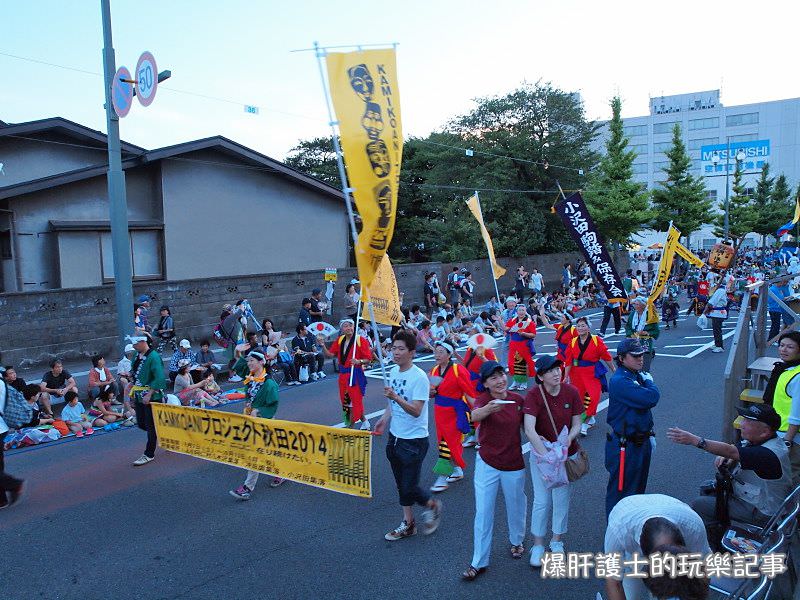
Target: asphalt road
{"type": "Point", "coordinates": [93, 526]}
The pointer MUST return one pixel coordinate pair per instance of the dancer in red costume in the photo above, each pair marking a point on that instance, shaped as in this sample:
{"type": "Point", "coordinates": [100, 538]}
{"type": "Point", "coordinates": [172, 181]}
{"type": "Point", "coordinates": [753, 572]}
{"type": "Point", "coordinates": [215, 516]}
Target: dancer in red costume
{"type": "Point", "coordinates": [587, 362]}
{"type": "Point", "coordinates": [453, 392]}
{"type": "Point", "coordinates": [565, 333]}
{"type": "Point", "coordinates": [522, 331]}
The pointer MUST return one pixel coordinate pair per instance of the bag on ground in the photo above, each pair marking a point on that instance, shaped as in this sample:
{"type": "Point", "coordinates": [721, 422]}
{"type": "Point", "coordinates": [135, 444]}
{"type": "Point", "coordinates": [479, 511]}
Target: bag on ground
{"type": "Point", "coordinates": [303, 375]}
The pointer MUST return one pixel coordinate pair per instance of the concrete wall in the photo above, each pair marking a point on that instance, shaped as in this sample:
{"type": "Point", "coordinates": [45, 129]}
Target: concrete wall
{"type": "Point", "coordinates": [75, 323]}
{"type": "Point", "coordinates": [26, 160]}
{"type": "Point", "coordinates": [239, 221]}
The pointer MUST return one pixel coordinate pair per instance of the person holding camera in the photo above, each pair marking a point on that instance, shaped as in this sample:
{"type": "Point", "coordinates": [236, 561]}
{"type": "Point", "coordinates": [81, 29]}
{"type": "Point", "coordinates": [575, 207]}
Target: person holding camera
{"type": "Point", "coordinates": [763, 477]}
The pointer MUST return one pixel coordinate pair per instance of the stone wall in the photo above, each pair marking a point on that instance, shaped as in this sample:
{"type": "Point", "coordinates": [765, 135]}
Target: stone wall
{"type": "Point", "coordinates": [74, 323]}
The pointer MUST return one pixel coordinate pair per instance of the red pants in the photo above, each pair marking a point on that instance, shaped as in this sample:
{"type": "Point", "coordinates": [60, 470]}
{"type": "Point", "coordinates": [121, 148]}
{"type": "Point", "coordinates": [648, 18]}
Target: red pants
{"type": "Point", "coordinates": [351, 398]}
{"type": "Point", "coordinates": [588, 387]}
{"type": "Point", "coordinates": [520, 360]}
{"type": "Point", "coordinates": [447, 432]}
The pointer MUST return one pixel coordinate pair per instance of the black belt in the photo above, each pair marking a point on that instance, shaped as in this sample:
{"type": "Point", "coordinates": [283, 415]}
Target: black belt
{"type": "Point", "coordinates": [637, 437]}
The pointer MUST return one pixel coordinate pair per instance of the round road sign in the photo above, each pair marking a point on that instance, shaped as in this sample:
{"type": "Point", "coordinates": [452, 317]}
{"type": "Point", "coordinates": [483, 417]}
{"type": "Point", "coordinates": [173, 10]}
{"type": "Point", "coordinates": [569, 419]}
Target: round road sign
{"type": "Point", "coordinates": [146, 79]}
{"type": "Point", "coordinates": [122, 92]}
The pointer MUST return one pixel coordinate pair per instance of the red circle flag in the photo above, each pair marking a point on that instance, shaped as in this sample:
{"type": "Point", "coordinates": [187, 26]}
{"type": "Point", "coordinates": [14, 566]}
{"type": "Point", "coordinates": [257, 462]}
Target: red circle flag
{"type": "Point", "coordinates": [479, 340]}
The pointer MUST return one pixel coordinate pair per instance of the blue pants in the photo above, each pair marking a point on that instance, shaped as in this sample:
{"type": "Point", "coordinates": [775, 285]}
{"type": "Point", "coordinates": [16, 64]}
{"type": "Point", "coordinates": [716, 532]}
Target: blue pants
{"type": "Point", "coordinates": [637, 468]}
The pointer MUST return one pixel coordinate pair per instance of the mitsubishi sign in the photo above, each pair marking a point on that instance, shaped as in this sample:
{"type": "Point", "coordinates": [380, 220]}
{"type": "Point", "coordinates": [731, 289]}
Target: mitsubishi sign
{"type": "Point", "coordinates": [756, 153]}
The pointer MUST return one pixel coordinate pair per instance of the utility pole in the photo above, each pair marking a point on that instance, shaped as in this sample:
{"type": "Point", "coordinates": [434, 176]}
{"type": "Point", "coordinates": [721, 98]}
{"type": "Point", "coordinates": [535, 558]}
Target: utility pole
{"type": "Point", "coordinates": [117, 200]}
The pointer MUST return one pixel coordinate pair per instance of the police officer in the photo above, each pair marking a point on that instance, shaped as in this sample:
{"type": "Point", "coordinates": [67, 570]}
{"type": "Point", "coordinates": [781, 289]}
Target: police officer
{"type": "Point", "coordinates": [631, 396]}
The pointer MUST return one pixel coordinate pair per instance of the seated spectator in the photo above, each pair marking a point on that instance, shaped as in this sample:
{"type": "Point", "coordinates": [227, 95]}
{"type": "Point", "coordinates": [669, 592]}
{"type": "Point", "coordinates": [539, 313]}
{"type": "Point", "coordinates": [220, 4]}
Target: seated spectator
{"type": "Point", "coordinates": [184, 352]}
{"type": "Point", "coordinates": [140, 323]}
{"type": "Point", "coordinates": [266, 334]}
{"type": "Point", "coordinates": [251, 343]}
{"type": "Point", "coordinates": [31, 393]}
{"type": "Point", "coordinates": [125, 376]}
{"type": "Point", "coordinates": [305, 312]}
{"type": "Point", "coordinates": [284, 361]}
{"type": "Point", "coordinates": [425, 337]}
{"type": "Point", "coordinates": [74, 415]}
{"type": "Point", "coordinates": [415, 317]}
{"type": "Point", "coordinates": [11, 378]}
{"type": "Point", "coordinates": [205, 358]}
{"type": "Point", "coordinates": [55, 384]}
{"type": "Point", "coordinates": [762, 478]}
{"type": "Point", "coordinates": [100, 378]}
{"type": "Point", "coordinates": [211, 385]}
{"type": "Point", "coordinates": [101, 411]}
{"type": "Point", "coordinates": [165, 331]}
{"type": "Point", "coordinates": [190, 393]}
{"type": "Point", "coordinates": [466, 308]}
{"type": "Point", "coordinates": [305, 352]}
{"type": "Point", "coordinates": [439, 331]}
{"type": "Point", "coordinates": [454, 328]}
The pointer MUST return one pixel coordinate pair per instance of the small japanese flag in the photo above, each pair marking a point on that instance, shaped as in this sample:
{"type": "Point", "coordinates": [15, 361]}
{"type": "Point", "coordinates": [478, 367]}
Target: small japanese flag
{"type": "Point", "coordinates": [481, 340]}
{"type": "Point", "coordinates": [322, 328]}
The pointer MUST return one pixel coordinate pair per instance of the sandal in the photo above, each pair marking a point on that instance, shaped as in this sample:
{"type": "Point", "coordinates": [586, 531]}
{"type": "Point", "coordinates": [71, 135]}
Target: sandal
{"type": "Point", "coordinates": [518, 551]}
{"type": "Point", "coordinates": [471, 574]}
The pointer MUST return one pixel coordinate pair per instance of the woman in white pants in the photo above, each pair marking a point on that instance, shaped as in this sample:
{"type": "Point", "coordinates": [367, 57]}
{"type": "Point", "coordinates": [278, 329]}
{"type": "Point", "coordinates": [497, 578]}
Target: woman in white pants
{"type": "Point", "coordinates": [499, 464]}
{"type": "Point", "coordinates": [565, 410]}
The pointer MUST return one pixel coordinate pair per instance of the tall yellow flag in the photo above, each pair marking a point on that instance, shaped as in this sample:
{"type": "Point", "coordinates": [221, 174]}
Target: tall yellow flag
{"type": "Point", "coordinates": [688, 255]}
{"type": "Point", "coordinates": [366, 99]}
{"type": "Point", "coordinates": [662, 274]}
{"type": "Point", "coordinates": [384, 295]}
{"type": "Point", "coordinates": [475, 209]}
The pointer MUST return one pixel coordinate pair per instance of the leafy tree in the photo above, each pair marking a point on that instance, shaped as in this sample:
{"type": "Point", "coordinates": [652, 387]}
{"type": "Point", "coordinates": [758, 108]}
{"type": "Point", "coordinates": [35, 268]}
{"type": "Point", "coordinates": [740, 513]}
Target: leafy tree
{"type": "Point", "coordinates": [316, 157]}
{"type": "Point", "coordinates": [682, 199]}
{"type": "Point", "coordinates": [618, 204]}
{"type": "Point", "coordinates": [740, 209]}
{"type": "Point", "coordinates": [782, 202]}
{"type": "Point", "coordinates": [764, 208]}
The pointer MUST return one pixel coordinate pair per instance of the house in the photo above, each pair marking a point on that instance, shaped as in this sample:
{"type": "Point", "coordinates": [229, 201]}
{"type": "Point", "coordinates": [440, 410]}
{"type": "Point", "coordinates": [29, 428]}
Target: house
{"type": "Point", "coordinates": [201, 209]}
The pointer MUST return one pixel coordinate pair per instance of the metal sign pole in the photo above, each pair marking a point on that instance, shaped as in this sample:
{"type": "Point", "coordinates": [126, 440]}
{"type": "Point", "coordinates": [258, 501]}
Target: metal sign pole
{"type": "Point", "coordinates": [117, 201]}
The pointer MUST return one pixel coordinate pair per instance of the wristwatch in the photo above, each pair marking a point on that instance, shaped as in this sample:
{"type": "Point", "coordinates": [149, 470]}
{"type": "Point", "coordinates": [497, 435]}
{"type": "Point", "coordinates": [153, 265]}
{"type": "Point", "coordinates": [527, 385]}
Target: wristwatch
{"type": "Point", "coordinates": [702, 444]}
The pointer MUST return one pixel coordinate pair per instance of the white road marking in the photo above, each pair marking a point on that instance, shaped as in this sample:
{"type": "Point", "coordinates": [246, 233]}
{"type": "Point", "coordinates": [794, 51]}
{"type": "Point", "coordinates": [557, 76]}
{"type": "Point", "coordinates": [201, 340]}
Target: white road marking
{"type": "Point", "coordinates": [708, 345]}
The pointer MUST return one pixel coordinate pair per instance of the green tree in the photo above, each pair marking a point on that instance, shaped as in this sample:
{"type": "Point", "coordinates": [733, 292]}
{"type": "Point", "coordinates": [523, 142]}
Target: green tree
{"type": "Point", "coordinates": [682, 198]}
{"type": "Point", "coordinates": [740, 209]}
{"type": "Point", "coordinates": [316, 157]}
{"type": "Point", "coordinates": [763, 207]}
{"type": "Point", "coordinates": [782, 202]}
{"type": "Point", "coordinates": [618, 204]}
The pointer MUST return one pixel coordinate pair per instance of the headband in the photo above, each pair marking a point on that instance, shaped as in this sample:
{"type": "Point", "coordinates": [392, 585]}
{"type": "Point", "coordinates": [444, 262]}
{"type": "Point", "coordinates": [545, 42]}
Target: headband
{"type": "Point", "coordinates": [446, 346]}
{"type": "Point", "coordinates": [258, 355]}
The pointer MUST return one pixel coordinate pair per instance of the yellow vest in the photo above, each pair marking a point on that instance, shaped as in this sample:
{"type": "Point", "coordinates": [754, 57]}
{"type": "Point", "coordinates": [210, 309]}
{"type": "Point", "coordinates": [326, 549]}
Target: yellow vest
{"type": "Point", "coordinates": [781, 400]}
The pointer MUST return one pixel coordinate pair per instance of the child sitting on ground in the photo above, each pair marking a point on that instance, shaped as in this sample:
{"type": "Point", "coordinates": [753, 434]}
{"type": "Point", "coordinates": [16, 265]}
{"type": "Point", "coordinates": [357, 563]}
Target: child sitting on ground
{"type": "Point", "coordinates": [73, 415]}
{"type": "Point", "coordinates": [101, 409]}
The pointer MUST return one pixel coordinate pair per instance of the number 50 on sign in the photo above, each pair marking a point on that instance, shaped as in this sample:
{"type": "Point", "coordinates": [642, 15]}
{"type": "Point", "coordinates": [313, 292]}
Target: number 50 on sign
{"type": "Point", "coordinates": [146, 79]}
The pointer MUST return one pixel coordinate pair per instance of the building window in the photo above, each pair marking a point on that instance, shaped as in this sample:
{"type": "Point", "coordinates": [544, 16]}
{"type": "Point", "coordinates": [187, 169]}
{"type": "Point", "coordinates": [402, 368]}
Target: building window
{"type": "Point", "coordinates": [743, 119]}
{"type": "Point", "coordinates": [146, 255]}
{"type": "Point", "coordinates": [640, 149]}
{"type": "Point", "coordinates": [662, 146]}
{"type": "Point", "coordinates": [663, 127]}
{"type": "Point", "coordinates": [700, 142]}
{"type": "Point", "coordinates": [745, 137]}
{"type": "Point", "coordinates": [708, 243]}
{"type": "Point", "coordinates": [639, 168]}
{"type": "Point", "coordinates": [632, 130]}
{"type": "Point", "coordinates": [711, 194]}
{"type": "Point", "coordinates": [660, 167]}
{"type": "Point", "coordinates": [707, 123]}
{"type": "Point", "coordinates": [697, 165]}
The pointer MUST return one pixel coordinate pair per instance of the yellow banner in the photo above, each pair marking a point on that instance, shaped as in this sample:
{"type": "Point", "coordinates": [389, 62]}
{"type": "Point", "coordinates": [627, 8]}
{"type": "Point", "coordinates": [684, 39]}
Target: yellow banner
{"type": "Point", "coordinates": [366, 98]}
{"type": "Point", "coordinates": [662, 274]}
{"type": "Point", "coordinates": [688, 255]}
{"type": "Point", "coordinates": [325, 457]}
{"type": "Point", "coordinates": [384, 295]}
{"type": "Point", "coordinates": [475, 208]}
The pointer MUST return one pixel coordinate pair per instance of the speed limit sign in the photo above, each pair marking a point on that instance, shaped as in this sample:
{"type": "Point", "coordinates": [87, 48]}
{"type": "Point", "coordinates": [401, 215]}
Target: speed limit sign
{"type": "Point", "coordinates": [146, 79]}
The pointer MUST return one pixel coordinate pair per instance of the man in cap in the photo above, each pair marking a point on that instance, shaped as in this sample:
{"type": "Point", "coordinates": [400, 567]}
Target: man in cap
{"type": "Point", "coordinates": [184, 352]}
{"type": "Point", "coordinates": [763, 477]}
{"type": "Point", "coordinates": [638, 328]}
{"type": "Point", "coordinates": [144, 305]}
{"type": "Point", "coordinates": [631, 397]}
{"type": "Point", "coordinates": [148, 386]}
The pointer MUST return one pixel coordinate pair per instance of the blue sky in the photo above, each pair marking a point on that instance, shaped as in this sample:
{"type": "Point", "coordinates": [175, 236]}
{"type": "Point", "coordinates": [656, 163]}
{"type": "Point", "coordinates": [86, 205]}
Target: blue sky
{"type": "Point", "coordinates": [449, 53]}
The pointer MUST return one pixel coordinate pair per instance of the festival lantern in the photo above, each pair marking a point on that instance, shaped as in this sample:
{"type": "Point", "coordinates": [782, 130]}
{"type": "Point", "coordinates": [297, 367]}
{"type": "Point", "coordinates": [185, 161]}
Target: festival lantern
{"type": "Point", "coordinates": [721, 256]}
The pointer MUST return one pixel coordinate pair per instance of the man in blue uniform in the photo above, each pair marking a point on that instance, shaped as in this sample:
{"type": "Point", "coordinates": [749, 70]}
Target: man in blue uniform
{"type": "Point", "coordinates": [631, 396]}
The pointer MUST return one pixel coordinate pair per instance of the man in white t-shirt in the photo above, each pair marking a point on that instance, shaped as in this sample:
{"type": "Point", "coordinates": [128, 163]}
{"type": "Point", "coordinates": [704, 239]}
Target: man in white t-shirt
{"type": "Point", "coordinates": [407, 418]}
{"type": "Point", "coordinates": [644, 524]}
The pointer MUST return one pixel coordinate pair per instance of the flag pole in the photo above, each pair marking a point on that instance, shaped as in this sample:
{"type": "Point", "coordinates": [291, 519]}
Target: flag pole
{"type": "Point", "coordinates": [346, 191]}
{"type": "Point", "coordinates": [491, 264]}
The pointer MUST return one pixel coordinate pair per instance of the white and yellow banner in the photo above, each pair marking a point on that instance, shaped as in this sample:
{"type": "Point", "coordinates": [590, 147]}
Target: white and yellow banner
{"type": "Point", "coordinates": [325, 457]}
{"type": "Point", "coordinates": [366, 99]}
{"type": "Point", "coordinates": [475, 208]}
{"type": "Point", "coordinates": [663, 272]}
{"type": "Point", "coordinates": [384, 295]}
{"type": "Point", "coordinates": [688, 255]}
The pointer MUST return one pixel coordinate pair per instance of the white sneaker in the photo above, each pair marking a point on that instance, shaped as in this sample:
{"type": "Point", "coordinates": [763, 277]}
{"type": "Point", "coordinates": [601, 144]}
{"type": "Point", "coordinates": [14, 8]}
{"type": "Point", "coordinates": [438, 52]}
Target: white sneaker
{"type": "Point", "coordinates": [234, 378]}
{"type": "Point", "coordinates": [456, 475]}
{"type": "Point", "coordinates": [584, 429]}
{"type": "Point", "coordinates": [537, 552]}
{"type": "Point", "coordinates": [365, 426]}
{"type": "Point", "coordinates": [556, 547]}
{"type": "Point", "coordinates": [592, 421]}
{"type": "Point", "coordinates": [314, 377]}
{"type": "Point", "coordinates": [469, 441]}
{"type": "Point", "coordinates": [321, 375]}
{"type": "Point", "coordinates": [512, 387]}
{"type": "Point", "coordinates": [440, 484]}
{"type": "Point", "coordinates": [717, 349]}
{"type": "Point", "coordinates": [522, 386]}
{"type": "Point", "coordinates": [142, 460]}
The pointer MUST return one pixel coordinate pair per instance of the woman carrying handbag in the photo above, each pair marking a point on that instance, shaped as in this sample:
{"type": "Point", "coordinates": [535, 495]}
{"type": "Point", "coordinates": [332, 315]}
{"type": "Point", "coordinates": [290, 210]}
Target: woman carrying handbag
{"type": "Point", "coordinates": [550, 407]}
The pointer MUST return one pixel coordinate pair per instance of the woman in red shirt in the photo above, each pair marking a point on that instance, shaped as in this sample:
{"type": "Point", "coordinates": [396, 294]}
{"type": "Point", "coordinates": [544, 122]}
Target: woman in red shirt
{"type": "Point", "coordinates": [499, 463]}
{"type": "Point", "coordinates": [565, 407]}
{"type": "Point", "coordinates": [565, 333]}
{"type": "Point", "coordinates": [522, 331]}
{"type": "Point", "coordinates": [585, 369]}
{"type": "Point", "coordinates": [452, 390]}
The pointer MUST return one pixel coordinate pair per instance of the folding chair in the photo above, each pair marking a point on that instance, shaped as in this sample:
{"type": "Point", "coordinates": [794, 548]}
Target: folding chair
{"type": "Point", "coordinates": [784, 520]}
{"type": "Point", "coordinates": [751, 588]}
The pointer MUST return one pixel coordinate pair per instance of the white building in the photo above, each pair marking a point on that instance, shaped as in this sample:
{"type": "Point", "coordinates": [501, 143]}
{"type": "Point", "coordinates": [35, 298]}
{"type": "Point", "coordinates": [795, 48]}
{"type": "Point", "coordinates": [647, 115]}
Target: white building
{"type": "Point", "coordinates": [715, 136]}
